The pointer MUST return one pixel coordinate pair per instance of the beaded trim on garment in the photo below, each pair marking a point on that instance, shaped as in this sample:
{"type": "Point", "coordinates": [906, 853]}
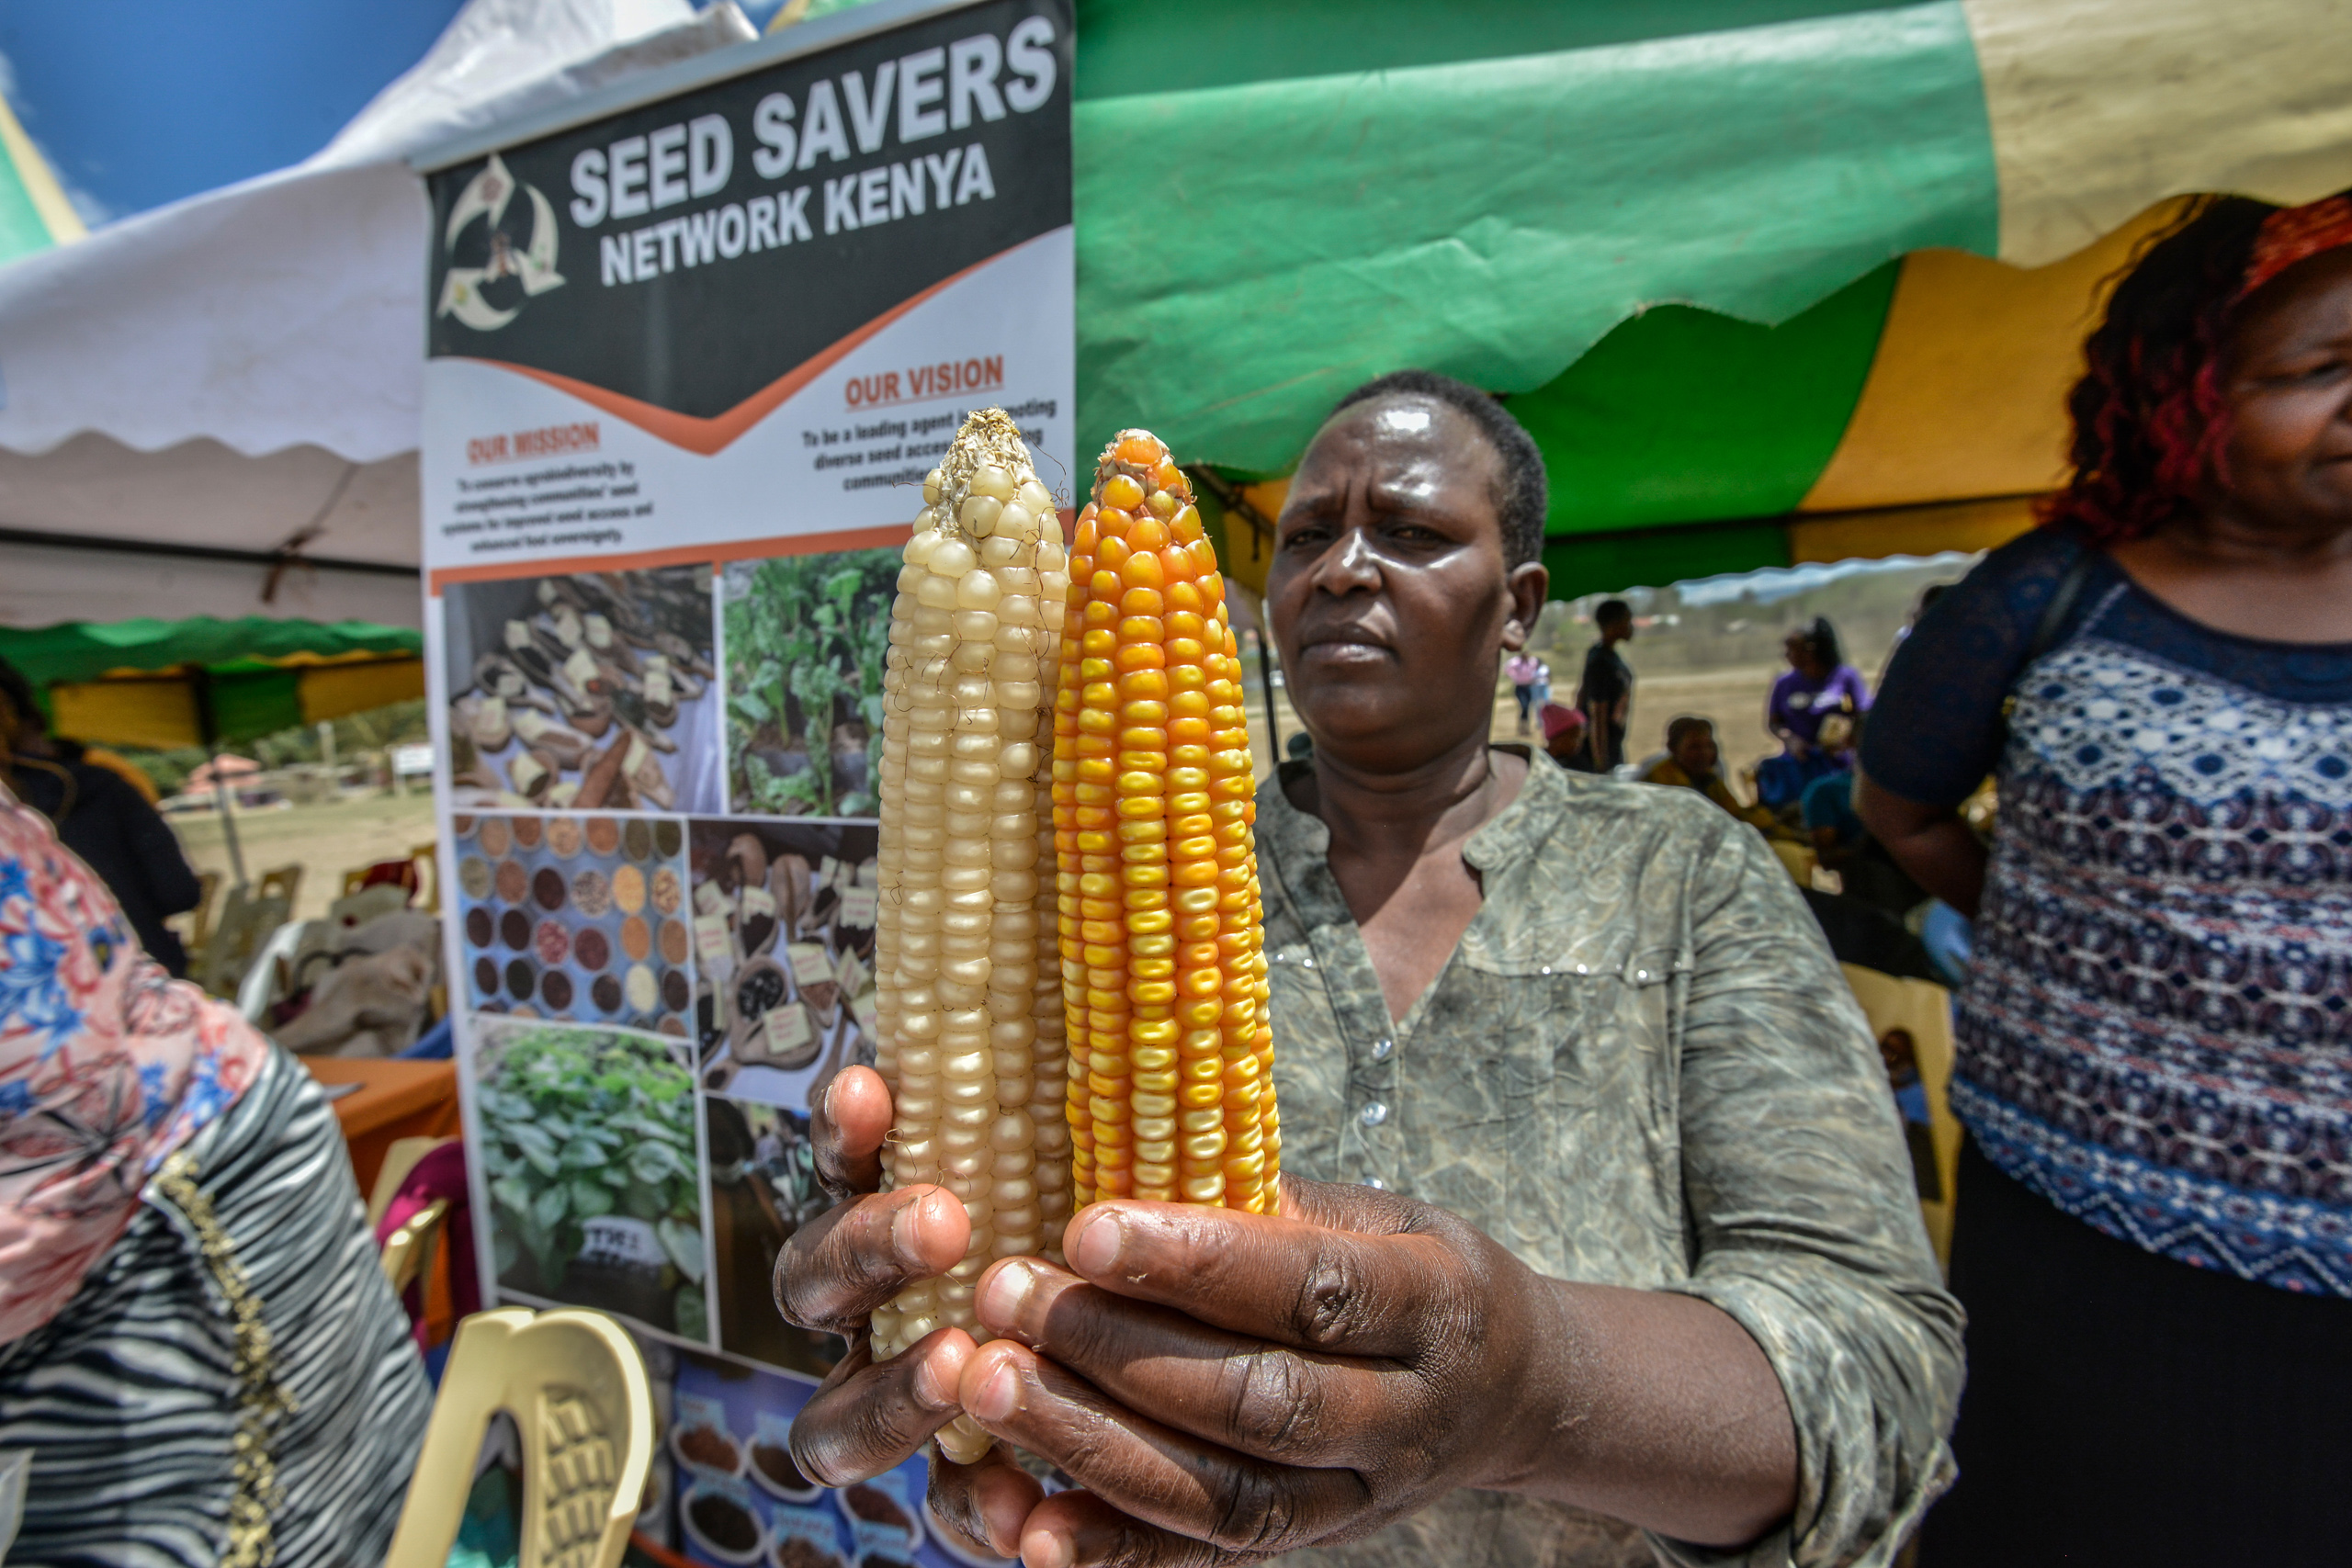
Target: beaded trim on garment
{"type": "Point", "coordinates": [264, 1400]}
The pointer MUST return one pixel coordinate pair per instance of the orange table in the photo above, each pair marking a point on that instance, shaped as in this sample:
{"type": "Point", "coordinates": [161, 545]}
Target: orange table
{"type": "Point", "coordinates": [394, 1100]}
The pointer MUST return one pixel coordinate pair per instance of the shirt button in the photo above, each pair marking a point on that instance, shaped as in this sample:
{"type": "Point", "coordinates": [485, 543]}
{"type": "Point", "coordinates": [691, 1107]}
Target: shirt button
{"type": "Point", "coordinates": [1376, 1184]}
{"type": "Point", "coordinates": [1383, 1049]}
{"type": "Point", "coordinates": [1373, 1114]}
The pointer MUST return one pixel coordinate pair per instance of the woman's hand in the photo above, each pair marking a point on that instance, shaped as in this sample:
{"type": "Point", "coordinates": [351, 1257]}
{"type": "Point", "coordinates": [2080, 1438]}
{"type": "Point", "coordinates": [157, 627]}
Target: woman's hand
{"type": "Point", "coordinates": [1226, 1387]}
{"type": "Point", "coordinates": [1306, 1378]}
{"type": "Point", "coordinates": [836, 1270]}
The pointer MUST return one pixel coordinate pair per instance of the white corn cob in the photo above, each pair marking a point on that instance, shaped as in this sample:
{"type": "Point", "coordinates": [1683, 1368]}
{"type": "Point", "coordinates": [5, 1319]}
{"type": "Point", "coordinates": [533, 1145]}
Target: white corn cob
{"type": "Point", "coordinates": [967, 978]}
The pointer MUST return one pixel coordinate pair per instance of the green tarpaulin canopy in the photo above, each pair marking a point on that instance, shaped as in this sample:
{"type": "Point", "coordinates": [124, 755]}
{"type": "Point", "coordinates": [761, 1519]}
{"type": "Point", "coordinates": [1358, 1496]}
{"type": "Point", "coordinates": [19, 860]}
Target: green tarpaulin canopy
{"type": "Point", "coordinates": [1723, 254]}
{"type": "Point", "coordinates": [164, 683]}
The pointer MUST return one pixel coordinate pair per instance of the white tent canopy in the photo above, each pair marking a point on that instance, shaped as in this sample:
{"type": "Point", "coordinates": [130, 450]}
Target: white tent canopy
{"type": "Point", "coordinates": [212, 408]}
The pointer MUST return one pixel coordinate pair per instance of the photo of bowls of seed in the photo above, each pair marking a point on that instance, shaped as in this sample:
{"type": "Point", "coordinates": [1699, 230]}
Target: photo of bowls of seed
{"type": "Point", "coordinates": [784, 915]}
{"type": "Point", "coordinates": [594, 691]}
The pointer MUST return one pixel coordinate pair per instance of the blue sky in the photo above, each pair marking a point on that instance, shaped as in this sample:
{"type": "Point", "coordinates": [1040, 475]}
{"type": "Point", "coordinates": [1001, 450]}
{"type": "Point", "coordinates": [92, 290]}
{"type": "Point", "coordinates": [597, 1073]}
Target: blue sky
{"type": "Point", "coordinates": [140, 102]}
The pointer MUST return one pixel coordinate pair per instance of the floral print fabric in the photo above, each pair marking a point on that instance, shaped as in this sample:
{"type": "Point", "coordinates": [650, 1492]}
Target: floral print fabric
{"type": "Point", "coordinates": [106, 1065]}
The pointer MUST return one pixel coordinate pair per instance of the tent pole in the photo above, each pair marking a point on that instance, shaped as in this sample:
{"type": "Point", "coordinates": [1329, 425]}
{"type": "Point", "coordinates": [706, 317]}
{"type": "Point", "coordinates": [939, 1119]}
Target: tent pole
{"type": "Point", "coordinates": [222, 794]}
{"type": "Point", "coordinates": [210, 733]}
{"type": "Point", "coordinates": [1266, 680]}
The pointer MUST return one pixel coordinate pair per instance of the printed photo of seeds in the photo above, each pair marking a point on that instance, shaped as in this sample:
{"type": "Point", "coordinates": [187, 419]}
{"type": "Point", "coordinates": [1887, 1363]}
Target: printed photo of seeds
{"type": "Point", "coordinates": [589, 691]}
{"type": "Point", "coordinates": [784, 915]}
{"type": "Point", "coordinates": [576, 918]}
{"type": "Point", "coordinates": [805, 639]}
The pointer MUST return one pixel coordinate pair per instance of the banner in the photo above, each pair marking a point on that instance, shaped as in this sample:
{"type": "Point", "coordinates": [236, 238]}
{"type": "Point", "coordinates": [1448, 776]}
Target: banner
{"type": "Point", "coordinates": [688, 364]}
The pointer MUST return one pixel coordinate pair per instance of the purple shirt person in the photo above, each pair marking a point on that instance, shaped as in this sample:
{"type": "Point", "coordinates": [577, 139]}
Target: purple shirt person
{"type": "Point", "coordinates": [1817, 683]}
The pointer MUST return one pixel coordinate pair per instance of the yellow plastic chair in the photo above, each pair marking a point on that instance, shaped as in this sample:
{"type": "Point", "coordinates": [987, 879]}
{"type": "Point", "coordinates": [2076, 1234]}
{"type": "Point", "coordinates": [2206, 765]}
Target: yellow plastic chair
{"type": "Point", "coordinates": [281, 881]}
{"type": "Point", "coordinates": [427, 857]}
{"type": "Point", "coordinates": [408, 1251]}
{"type": "Point", "coordinates": [1925, 1010]}
{"type": "Point", "coordinates": [199, 920]}
{"type": "Point", "coordinates": [575, 1385]}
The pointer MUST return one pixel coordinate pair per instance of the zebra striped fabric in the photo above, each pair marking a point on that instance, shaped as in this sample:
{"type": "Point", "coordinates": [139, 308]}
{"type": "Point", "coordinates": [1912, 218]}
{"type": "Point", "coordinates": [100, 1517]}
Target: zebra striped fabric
{"type": "Point", "coordinates": [245, 1299]}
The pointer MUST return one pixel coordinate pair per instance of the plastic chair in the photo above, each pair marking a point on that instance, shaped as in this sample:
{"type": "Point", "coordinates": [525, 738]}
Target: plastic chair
{"type": "Point", "coordinates": [199, 920]}
{"type": "Point", "coordinates": [575, 1385]}
{"type": "Point", "coordinates": [426, 858]}
{"type": "Point", "coordinates": [407, 1252]}
{"type": "Point", "coordinates": [281, 881]}
{"type": "Point", "coordinates": [1924, 1009]}
{"type": "Point", "coordinates": [247, 922]}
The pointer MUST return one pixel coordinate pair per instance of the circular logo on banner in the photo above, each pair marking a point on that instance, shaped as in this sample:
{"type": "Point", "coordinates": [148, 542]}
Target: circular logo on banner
{"type": "Point", "coordinates": [513, 262]}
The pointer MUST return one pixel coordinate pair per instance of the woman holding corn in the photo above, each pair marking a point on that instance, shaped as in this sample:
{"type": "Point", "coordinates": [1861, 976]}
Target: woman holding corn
{"type": "Point", "coordinates": [1611, 1245]}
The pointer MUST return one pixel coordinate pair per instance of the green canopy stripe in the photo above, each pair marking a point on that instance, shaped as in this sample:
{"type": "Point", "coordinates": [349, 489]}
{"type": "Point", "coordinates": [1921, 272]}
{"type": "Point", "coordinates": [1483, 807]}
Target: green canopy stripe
{"type": "Point", "coordinates": [1124, 46]}
{"type": "Point", "coordinates": [1680, 415]}
{"type": "Point", "coordinates": [1247, 253]}
{"type": "Point", "coordinates": [84, 650]}
{"type": "Point", "coordinates": [257, 704]}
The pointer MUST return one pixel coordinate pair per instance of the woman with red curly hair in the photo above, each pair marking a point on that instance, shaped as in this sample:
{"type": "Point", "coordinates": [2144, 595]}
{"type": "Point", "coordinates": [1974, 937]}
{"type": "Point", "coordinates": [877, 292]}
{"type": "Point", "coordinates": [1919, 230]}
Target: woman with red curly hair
{"type": "Point", "coordinates": [2154, 1231]}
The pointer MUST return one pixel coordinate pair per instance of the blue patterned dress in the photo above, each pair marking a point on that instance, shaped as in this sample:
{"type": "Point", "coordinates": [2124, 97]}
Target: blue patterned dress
{"type": "Point", "coordinates": [2156, 1030]}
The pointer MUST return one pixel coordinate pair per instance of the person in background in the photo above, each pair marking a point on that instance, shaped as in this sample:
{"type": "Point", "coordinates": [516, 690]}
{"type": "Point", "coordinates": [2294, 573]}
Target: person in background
{"type": "Point", "coordinates": [1542, 684]}
{"type": "Point", "coordinates": [197, 1346]}
{"type": "Point", "coordinates": [1817, 683]}
{"type": "Point", "coordinates": [1693, 762]}
{"type": "Point", "coordinates": [2153, 1236]}
{"type": "Point", "coordinates": [102, 818]}
{"type": "Point", "coordinates": [1594, 1216]}
{"type": "Point", "coordinates": [1562, 733]}
{"type": "Point", "coordinates": [1523, 668]}
{"type": "Point", "coordinates": [1841, 842]}
{"type": "Point", "coordinates": [1605, 694]}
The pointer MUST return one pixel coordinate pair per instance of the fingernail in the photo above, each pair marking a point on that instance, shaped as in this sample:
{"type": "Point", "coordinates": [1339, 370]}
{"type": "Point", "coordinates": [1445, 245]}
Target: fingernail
{"type": "Point", "coordinates": [1100, 1242]}
{"type": "Point", "coordinates": [906, 1226]}
{"type": "Point", "coordinates": [998, 1394]}
{"type": "Point", "coordinates": [934, 1388]}
{"type": "Point", "coordinates": [1004, 1296]}
{"type": "Point", "coordinates": [830, 1089]}
{"type": "Point", "coordinates": [1047, 1548]}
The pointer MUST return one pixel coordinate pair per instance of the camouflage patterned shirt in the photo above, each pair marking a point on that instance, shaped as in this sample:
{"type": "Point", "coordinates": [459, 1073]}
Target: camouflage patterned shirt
{"type": "Point", "coordinates": [1639, 1067]}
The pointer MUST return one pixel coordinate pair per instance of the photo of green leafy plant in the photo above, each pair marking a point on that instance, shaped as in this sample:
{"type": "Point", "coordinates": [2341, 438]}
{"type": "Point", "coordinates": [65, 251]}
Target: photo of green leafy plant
{"type": "Point", "coordinates": [806, 637]}
{"type": "Point", "coordinates": [590, 1153]}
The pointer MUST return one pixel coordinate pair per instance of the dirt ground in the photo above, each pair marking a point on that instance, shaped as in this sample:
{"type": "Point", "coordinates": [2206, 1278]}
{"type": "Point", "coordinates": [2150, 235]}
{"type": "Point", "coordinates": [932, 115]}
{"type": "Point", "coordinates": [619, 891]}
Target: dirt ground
{"type": "Point", "coordinates": [326, 840]}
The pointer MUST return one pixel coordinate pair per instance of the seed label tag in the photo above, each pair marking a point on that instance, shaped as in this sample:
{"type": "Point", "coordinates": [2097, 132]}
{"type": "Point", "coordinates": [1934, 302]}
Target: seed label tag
{"type": "Point", "coordinates": [787, 1029]}
{"type": "Point", "coordinates": [711, 937]}
{"type": "Point", "coordinates": [859, 906]}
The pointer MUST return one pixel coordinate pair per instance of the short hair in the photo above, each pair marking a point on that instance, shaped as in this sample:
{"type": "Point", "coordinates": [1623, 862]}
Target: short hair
{"type": "Point", "coordinates": [1612, 611]}
{"type": "Point", "coordinates": [1684, 725]}
{"type": "Point", "coordinates": [1522, 495]}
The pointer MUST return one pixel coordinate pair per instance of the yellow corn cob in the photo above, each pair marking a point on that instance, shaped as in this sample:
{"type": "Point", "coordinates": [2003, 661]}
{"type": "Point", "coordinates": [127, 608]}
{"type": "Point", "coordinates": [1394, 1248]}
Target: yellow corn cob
{"type": "Point", "coordinates": [968, 1006]}
{"type": "Point", "coordinates": [1163, 970]}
